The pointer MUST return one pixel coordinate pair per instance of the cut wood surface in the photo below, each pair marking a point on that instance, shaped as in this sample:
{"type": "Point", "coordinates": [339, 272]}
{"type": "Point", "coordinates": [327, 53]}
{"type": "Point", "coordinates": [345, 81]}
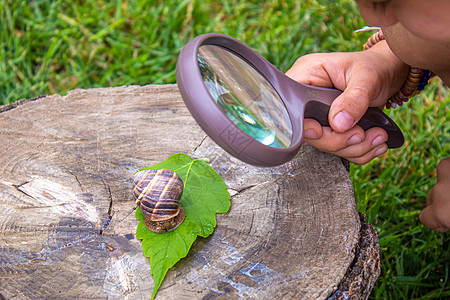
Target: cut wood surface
{"type": "Point", "coordinates": [67, 226]}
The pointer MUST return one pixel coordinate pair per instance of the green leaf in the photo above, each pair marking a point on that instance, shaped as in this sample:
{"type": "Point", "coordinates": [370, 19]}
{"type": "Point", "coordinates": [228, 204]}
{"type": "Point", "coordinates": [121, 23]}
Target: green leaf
{"type": "Point", "coordinates": [205, 194]}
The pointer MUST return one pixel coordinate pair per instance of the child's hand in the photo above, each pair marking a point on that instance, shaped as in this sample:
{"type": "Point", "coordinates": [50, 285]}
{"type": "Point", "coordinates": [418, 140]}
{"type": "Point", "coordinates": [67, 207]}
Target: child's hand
{"type": "Point", "coordinates": [437, 213]}
{"type": "Point", "coordinates": [366, 78]}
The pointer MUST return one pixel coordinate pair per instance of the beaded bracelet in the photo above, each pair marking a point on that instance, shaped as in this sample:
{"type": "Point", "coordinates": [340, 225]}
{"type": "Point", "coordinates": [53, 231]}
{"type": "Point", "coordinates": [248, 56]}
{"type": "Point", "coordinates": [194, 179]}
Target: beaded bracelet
{"type": "Point", "coordinates": [416, 81]}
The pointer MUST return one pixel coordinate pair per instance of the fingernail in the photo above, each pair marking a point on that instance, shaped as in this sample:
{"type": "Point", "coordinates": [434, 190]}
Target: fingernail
{"type": "Point", "coordinates": [355, 139]}
{"type": "Point", "coordinates": [380, 151]}
{"type": "Point", "coordinates": [378, 141]}
{"type": "Point", "coordinates": [310, 134]}
{"type": "Point", "coordinates": [343, 121]}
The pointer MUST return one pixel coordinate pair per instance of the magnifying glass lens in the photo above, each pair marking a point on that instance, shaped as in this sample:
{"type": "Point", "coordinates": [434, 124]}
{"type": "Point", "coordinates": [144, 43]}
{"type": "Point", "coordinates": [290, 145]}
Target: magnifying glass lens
{"type": "Point", "coordinates": [245, 96]}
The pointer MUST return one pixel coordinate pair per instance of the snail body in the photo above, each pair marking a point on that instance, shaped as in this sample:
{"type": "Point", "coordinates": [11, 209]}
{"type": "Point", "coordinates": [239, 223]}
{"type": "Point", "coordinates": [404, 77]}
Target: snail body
{"type": "Point", "coordinates": [158, 194]}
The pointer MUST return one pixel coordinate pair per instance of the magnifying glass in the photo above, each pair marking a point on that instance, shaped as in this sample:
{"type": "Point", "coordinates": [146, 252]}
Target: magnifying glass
{"type": "Point", "coordinates": [249, 107]}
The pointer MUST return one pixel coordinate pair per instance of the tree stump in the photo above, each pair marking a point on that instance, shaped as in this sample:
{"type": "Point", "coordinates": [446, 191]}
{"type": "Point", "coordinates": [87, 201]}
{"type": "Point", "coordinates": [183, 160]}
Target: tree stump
{"type": "Point", "coordinates": [67, 226]}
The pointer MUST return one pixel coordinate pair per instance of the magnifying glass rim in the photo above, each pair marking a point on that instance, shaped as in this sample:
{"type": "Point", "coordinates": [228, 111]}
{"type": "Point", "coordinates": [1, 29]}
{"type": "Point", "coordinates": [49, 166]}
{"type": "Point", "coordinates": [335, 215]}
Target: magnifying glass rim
{"type": "Point", "coordinates": [211, 117]}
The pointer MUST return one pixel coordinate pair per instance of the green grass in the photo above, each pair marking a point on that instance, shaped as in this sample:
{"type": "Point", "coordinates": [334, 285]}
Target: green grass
{"type": "Point", "coordinates": [54, 46]}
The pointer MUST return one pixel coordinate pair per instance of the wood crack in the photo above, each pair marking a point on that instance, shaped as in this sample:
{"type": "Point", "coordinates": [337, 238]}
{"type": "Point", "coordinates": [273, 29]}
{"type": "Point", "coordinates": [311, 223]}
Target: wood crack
{"type": "Point", "coordinates": [78, 181]}
{"type": "Point", "coordinates": [242, 190]}
{"type": "Point", "coordinates": [110, 215]}
{"type": "Point", "coordinates": [251, 223]}
{"type": "Point", "coordinates": [17, 187]}
{"type": "Point", "coordinates": [201, 142]}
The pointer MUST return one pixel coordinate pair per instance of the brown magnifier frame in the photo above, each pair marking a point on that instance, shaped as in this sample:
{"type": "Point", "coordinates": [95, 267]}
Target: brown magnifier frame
{"type": "Point", "coordinates": [300, 100]}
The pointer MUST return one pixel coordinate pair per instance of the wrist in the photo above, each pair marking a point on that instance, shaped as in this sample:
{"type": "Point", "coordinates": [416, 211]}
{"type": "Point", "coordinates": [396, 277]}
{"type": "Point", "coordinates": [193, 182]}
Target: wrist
{"type": "Point", "coordinates": [389, 69]}
{"type": "Point", "coordinates": [416, 78]}
{"type": "Point", "coordinates": [397, 69]}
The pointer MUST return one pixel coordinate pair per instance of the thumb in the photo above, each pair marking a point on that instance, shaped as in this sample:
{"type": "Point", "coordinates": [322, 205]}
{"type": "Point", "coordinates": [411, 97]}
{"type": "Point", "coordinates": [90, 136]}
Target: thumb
{"type": "Point", "coordinates": [351, 105]}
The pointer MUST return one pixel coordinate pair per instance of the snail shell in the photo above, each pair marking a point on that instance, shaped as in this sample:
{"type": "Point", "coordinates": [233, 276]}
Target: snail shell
{"type": "Point", "coordinates": [158, 194]}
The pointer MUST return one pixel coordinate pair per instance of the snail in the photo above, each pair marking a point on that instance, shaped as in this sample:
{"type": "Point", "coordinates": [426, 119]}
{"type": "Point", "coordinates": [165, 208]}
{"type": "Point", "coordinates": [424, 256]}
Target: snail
{"type": "Point", "coordinates": [158, 194]}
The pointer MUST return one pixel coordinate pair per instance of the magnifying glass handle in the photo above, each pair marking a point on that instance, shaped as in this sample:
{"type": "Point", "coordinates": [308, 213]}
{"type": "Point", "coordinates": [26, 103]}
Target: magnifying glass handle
{"type": "Point", "coordinates": [374, 117]}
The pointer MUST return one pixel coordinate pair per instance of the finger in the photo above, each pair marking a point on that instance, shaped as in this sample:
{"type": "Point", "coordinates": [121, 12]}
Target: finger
{"type": "Point", "coordinates": [332, 141]}
{"type": "Point", "coordinates": [310, 69]}
{"type": "Point", "coordinates": [364, 159]}
{"type": "Point", "coordinates": [351, 144]}
{"type": "Point", "coordinates": [437, 214]}
{"type": "Point", "coordinates": [427, 218]}
{"type": "Point", "coordinates": [375, 140]}
{"type": "Point", "coordinates": [443, 170]}
{"type": "Point", "coordinates": [443, 177]}
{"type": "Point", "coordinates": [312, 129]}
{"type": "Point", "coordinates": [360, 148]}
{"type": "Point", "coordinates": [348, 109]}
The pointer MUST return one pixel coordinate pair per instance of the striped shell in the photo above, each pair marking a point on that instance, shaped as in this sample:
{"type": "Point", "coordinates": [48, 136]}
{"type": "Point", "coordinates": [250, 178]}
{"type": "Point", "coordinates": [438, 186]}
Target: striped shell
{"type": "Point", "coordinates": [158, 194]}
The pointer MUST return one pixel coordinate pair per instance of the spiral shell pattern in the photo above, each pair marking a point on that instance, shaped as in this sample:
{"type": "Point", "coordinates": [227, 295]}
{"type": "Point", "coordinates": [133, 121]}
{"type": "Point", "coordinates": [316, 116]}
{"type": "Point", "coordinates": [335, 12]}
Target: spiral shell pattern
{"type": "Point", "coordinates": [158, 193]}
